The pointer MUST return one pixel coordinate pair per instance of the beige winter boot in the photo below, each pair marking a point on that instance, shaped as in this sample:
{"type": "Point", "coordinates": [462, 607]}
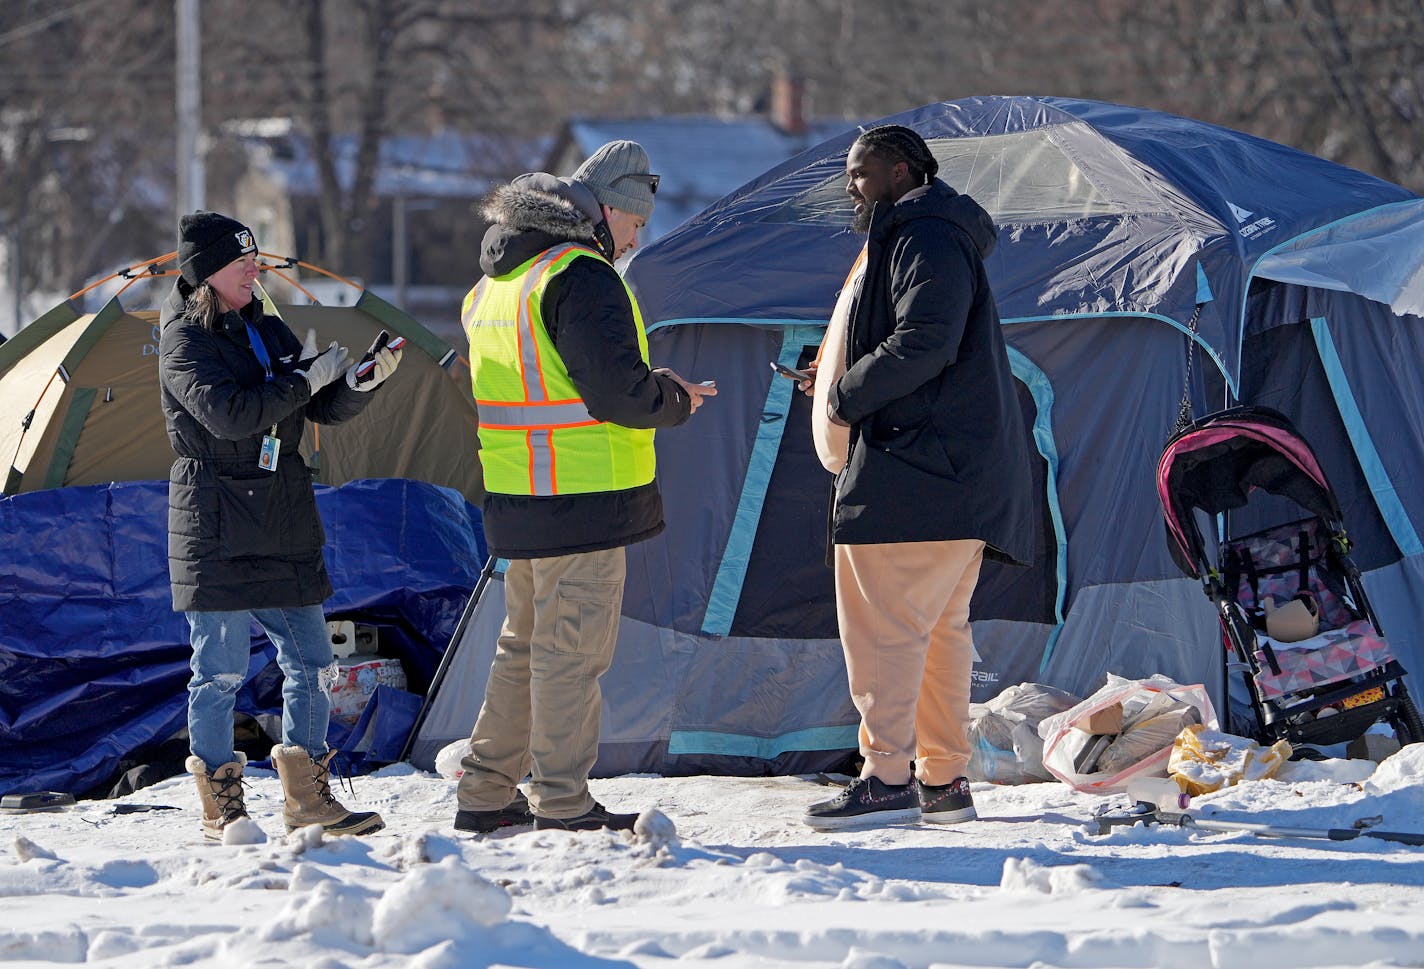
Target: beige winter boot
{"type": "Point", "coordinates": [307, 786]}
{"type": "Point", "coordinates": [220, 794]}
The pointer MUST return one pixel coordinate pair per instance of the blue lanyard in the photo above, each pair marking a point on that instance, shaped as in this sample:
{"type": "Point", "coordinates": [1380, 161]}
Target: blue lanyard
{"type": "Point", "coordinates": [260, 350]}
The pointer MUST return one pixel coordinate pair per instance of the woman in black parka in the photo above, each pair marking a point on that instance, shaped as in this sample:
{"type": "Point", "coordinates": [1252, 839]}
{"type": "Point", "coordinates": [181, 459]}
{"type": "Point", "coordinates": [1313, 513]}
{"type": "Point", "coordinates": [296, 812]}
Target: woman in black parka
{"type": "Point", "coordinates": [244, 537]}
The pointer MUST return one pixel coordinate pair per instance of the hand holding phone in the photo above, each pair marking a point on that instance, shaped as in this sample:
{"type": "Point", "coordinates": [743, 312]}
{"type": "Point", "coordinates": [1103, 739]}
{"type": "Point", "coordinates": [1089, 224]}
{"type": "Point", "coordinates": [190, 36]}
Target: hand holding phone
{"type": "Point", "coordinates": [367, 363]}
{"type": "Point", "coordinates": [791, 372]}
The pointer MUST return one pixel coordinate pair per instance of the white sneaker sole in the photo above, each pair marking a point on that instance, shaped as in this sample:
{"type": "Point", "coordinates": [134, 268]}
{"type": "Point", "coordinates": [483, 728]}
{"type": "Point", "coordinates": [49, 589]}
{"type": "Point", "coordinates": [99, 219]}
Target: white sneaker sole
{"type": "Point", "coordinates": [873, 819]}
{"type": "Point", "coordinates": [950, 817]}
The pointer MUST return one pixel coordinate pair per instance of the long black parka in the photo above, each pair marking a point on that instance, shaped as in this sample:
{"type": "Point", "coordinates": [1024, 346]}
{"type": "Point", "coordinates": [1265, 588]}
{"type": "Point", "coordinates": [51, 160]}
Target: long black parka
{"type": "Point", "coordinates": [939, 450]}
{"type": "Point", "coordinates": [240, 537]}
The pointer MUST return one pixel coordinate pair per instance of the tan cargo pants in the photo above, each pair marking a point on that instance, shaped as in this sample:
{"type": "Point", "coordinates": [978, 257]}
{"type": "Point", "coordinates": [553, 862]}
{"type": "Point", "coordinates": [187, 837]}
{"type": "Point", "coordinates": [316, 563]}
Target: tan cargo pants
{"type": "Point", "coordinates": [543, 703]}
{"type": "Point", "coordinates": [904, 620]}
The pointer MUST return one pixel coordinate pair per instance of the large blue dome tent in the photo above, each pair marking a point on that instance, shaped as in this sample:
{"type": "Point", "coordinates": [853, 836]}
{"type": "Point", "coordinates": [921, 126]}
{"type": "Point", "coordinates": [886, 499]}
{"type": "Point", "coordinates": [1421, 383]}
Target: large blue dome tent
{"type": "Point", "coordinates": [1125, 235]}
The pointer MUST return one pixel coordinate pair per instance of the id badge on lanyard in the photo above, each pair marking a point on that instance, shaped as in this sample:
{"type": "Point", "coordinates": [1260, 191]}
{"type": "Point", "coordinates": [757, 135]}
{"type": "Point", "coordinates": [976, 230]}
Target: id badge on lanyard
{"type": "Point", "coordinates": [271, 443]}
{"type": "Point", "coordinates": [271, 449]}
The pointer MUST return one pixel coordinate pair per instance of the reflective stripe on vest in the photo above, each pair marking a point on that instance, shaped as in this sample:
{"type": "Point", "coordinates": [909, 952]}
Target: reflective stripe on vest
{"type": "Point", "coordinates": [546, 415]}
{"type": "Point", "coordinates": [529, 412]}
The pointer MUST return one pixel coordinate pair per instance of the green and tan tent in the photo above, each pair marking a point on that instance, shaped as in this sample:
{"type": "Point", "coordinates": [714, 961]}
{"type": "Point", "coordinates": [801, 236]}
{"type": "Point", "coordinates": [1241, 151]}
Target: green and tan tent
{"type": "Point", "coordinates": [79, 399]}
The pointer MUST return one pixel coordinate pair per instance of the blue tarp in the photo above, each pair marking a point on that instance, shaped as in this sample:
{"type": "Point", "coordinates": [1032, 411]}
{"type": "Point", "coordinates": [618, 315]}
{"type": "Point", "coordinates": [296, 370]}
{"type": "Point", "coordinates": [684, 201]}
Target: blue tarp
{"type": "Point", "coordinates": [93, 660]}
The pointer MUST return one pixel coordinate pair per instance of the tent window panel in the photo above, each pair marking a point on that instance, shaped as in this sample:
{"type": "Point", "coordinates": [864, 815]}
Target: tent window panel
{"type": "Point", "coordinates": [1021, 178]}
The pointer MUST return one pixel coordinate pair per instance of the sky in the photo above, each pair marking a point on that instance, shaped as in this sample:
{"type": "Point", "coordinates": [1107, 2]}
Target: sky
{"type": "Point", "coordinates": [740, 882]}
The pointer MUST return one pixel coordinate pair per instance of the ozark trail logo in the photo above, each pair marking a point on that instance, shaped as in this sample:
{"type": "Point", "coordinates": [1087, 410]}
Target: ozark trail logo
{"type": "Point", "coordinates": [1248, 228]}
{"type": "Point", "coordinates": [981, 677]}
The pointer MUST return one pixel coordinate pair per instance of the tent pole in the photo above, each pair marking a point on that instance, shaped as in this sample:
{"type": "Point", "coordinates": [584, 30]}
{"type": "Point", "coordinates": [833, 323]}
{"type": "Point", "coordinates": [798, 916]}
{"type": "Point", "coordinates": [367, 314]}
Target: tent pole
{"type": "Point", "coordinates": [485, 574]}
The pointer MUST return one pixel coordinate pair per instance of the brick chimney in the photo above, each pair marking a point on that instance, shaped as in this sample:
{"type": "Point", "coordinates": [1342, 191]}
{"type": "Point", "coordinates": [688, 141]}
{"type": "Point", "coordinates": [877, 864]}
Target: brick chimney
{"type": "Point", "coordinates": [788, 103]}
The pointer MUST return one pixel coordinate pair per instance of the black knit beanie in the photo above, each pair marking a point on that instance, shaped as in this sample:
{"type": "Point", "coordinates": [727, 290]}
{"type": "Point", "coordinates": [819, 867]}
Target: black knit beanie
{"type": "Point", "coordinates": [208, 241]}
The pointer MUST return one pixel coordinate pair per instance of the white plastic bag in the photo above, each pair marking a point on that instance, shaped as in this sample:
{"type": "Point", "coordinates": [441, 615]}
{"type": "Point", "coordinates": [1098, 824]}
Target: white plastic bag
{"type": "Point", "coordinates": [447, 762]}
{"type": "Point", "coordinates": [1003, 734]}
{"type": "Point", "coordinates": [1144, 703]}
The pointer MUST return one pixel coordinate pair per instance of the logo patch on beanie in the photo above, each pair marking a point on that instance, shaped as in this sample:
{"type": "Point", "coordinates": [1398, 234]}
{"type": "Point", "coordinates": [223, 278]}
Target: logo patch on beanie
{"type": "Point", "coordinates": [244, 241]}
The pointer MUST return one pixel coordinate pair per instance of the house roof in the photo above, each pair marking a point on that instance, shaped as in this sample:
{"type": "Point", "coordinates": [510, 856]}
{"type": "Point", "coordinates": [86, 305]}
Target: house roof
{"type": "Point", "coordinates": [444, 165]}
{"type": "Point", "coordinates": [700, 158]}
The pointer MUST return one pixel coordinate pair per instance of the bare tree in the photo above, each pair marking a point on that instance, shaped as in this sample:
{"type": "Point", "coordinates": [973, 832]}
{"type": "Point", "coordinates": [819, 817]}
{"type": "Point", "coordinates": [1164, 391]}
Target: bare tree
{"type": "Point", "coordinates": [77, 187]}
{"type": "Point", "coordinates": [87, 88]}
{"type": "Point", "coordinates": [364, 70]}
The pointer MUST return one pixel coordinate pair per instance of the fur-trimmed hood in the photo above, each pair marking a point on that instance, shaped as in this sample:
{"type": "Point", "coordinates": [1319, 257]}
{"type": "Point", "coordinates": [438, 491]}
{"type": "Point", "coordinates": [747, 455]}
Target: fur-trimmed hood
{"type": "Point", "coordinates": [526, 221]}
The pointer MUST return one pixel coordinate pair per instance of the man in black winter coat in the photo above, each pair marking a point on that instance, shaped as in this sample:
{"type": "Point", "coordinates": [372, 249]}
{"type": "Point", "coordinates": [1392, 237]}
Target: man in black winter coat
{"type": "Point", "coordinates": [567, 406]}
{"type": "Point", "coordinates": [932, 475]}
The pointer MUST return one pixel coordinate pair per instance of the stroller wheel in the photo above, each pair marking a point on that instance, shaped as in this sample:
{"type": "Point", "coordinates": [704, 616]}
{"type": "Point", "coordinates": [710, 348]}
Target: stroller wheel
{"type": "Point", "coordinates": [1407, 726]}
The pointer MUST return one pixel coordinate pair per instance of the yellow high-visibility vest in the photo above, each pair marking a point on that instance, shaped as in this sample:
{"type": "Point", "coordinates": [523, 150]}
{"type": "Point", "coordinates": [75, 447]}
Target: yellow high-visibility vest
{"type": "Point", "coordinates": [536, 434]}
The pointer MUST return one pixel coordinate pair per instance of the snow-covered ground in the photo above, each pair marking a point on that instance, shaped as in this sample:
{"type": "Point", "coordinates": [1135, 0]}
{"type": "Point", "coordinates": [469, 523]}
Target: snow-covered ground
{"type": "Point", "coordinates": [743, 884]}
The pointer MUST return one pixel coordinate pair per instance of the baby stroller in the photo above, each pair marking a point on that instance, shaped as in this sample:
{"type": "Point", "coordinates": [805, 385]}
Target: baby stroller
{"type": "Point", "coordinates": [1333, 676]}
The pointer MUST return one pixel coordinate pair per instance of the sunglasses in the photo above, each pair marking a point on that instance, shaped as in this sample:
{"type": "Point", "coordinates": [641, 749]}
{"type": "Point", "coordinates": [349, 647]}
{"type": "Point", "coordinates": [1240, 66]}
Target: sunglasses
{"type": "Point", "coordinates": [646, 178]}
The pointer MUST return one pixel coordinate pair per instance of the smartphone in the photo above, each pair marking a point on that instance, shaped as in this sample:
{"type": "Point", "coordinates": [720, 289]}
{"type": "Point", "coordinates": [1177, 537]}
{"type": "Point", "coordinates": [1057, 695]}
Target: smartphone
{"type": "Point", "coordinates": [368, 360]}
{"type": "Point", "coordinates": [786, 371]}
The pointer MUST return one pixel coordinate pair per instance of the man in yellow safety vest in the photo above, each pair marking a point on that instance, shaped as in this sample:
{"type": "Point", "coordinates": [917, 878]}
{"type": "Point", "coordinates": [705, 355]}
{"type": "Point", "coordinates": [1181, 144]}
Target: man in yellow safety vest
{"type": "Point", "coordinates": [567, 406]}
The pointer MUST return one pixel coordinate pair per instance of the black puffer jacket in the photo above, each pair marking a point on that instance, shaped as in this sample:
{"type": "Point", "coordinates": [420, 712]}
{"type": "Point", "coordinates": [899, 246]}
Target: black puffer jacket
{"type": "Point", "coordinates": [240, 537]}
{"type": "Point", "coordinates": [939, 450]}
{"type": "Point", "coordinates": [589, 319]}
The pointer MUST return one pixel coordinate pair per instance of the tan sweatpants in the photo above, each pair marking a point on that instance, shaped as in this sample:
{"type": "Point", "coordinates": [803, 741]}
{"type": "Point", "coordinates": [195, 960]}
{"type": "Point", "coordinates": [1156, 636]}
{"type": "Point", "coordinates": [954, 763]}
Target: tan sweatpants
{"type": "Point", "coordinates": [543, 704]}
{"type": "Point", "coordinates": [904, 622]}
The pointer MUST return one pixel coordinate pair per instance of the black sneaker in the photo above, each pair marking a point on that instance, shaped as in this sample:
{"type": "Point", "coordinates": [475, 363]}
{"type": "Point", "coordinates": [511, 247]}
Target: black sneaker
{"type": "Point", "coordinates": [948, 804]}
{"type": "Point", "coordinates": [593, 819]}
{"type": "Point", "coordinates": [865, 802]}
{"type": "Point", "coordinates": [513, 814]}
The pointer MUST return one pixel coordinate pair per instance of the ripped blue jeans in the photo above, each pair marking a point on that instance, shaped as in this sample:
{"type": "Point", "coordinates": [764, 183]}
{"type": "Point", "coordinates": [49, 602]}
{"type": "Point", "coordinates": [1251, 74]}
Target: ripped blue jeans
{"type": "Point", "coordinates": [221, 654]}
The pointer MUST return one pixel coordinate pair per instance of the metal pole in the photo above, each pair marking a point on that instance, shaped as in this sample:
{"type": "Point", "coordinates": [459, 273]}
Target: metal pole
{"type": "Point", "coordinates": [189, 78]}
{"type": "Point", "coordinates": [398, 248]}
{"type": "Point", "coordinates": [17, 276]}
{"type": "Point", "coordinates": [485, 574]}
{"type": "Point", "coordinates": [1283, 831]}
{"type": "Point", "coordinates": [1150, 809]}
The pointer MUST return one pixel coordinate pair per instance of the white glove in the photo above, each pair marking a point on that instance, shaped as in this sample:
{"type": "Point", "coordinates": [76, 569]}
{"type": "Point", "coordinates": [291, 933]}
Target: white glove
{"type": "Point", "coordinates": [326, 367]}
{"type": "Point", "coordinates": [382, 365]}
{"type": "Point", "coordinates": [309, 347]}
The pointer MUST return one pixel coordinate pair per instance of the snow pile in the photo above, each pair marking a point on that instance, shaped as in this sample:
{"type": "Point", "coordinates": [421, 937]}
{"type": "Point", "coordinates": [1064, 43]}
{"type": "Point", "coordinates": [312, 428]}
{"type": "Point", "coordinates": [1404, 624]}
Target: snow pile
{"type": "Point", "coordinates": [433, 903]}
{"type": "Point", "coordinates": [1026, 875]}
{"type": "Point", "coordinates": [721, 871]}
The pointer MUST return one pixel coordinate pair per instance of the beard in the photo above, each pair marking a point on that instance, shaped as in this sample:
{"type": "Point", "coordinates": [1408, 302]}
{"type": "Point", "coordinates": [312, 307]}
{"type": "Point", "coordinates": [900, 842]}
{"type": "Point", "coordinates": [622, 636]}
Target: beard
{"type": "Point", "coordinates": [860, 221]}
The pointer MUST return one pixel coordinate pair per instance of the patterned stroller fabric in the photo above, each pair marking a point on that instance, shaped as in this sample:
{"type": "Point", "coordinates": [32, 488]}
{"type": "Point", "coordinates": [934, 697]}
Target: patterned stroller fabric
{"type": "Point", "coordinates": [1332, 656]}
{"type": "Point", "coordinates": [1278, 564]}
{"type": "Point", "coordinates": [1271, 563]}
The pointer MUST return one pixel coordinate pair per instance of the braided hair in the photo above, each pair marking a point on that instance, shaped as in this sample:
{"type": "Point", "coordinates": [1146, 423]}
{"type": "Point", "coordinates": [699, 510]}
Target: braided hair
{"type": "Point", "coordinates": [896, 143]}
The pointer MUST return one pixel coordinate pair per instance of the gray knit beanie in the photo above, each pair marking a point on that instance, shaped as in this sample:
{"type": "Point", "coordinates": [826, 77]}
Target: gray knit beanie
{"type": "Point", "coordinates": [619, 176]}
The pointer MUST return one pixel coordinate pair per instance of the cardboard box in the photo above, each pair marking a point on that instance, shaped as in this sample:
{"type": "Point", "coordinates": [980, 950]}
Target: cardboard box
{"type": "Point", "coordinates": [1108, 720]}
